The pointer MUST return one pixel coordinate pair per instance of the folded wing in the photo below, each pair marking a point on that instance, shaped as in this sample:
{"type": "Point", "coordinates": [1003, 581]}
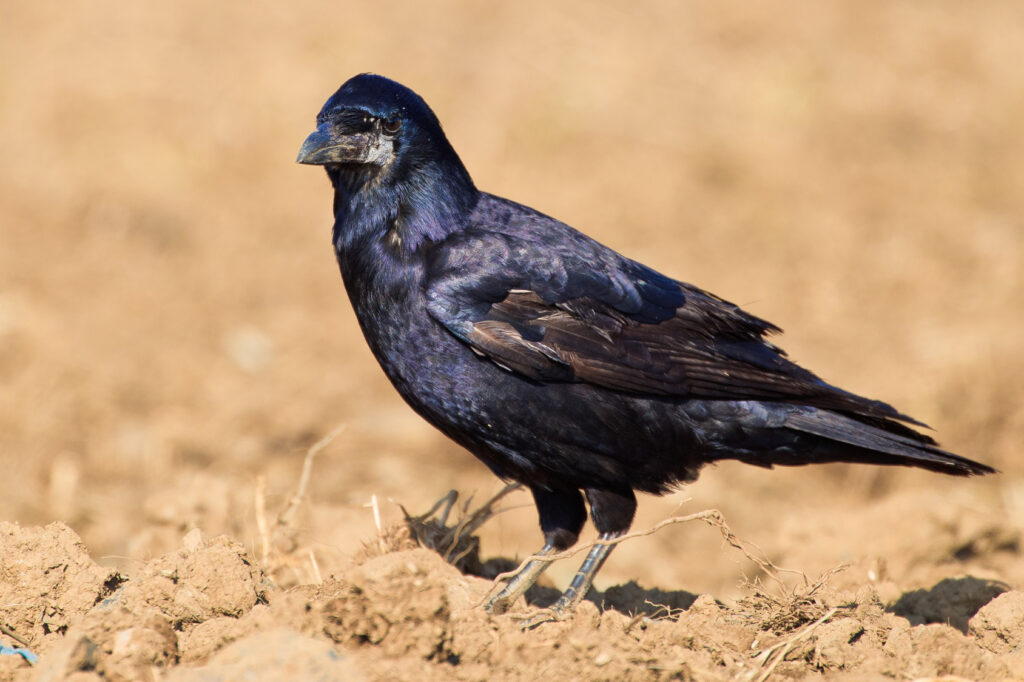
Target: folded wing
{"type": "Point", "coordinates": [599, 318]}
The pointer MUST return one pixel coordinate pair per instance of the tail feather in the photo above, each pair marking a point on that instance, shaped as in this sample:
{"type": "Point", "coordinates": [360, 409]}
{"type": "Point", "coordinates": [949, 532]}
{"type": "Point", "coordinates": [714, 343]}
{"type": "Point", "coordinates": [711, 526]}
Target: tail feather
{"type": "Point", "coordinates": [876, 443]}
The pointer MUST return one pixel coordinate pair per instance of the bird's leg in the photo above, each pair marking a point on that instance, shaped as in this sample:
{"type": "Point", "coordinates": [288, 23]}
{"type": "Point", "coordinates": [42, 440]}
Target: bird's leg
{"type": "Point", "coordinates": [612, 513]}
{"type": "Point", "coordinates": [520, 582]}
{"type": "Point", "coordinates": [584, 577]}
{"type": "Point", "coordinates": [562, 516]}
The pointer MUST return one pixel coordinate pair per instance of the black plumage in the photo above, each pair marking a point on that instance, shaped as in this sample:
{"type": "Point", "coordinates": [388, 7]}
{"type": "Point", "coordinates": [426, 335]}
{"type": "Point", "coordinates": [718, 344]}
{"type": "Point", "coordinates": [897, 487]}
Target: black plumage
{"type": "Point", "coordinates": [555, 360]}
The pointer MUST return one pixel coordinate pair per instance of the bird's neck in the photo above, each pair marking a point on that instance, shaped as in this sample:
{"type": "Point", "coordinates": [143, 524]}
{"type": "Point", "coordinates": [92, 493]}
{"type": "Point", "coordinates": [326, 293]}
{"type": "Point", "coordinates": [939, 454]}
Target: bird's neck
{"type": "Point", "coordinates": [424, 205]}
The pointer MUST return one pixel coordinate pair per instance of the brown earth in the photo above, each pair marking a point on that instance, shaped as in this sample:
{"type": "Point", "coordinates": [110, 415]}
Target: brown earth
{"type": "Point", "coordinates": [174, 335]}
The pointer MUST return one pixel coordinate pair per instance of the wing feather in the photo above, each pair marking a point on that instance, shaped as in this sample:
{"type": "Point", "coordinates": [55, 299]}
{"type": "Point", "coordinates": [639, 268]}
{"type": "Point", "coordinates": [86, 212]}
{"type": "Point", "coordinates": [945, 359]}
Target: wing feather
{"type": "Point", "coordinates": [605, 320]}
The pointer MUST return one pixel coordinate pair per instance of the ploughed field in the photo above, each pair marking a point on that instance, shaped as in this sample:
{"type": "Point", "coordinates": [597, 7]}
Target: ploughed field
{"type": "Point", "coordinates": [174, 337]}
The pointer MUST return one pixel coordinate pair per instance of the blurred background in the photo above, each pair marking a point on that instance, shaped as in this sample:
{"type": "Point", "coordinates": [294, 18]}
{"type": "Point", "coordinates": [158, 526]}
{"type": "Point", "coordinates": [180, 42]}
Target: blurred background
{"type": "Point", "coordinates": [173, 329]}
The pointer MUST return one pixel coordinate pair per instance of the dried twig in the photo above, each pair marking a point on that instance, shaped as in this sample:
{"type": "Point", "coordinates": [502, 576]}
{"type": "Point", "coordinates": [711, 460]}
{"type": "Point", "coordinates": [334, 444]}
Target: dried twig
{"type": "Point", "coordinates": [448, 500]}
{"type": "Point", "coordinates": [824, 578]}
{"type": "Point", "coordinates": [712, 517]}
{"type": "Point", "coordinates": [450, 541]}
{"type": "Point", "coordinates": [13, 635]}
{"type": "Point", "coordinates": [260, 502]}
{"type": "Point", "coordinates": [775, 654]}
{"type": "Point", "coordinates": [307, 469]}
{"type": "Point", "coordinates": [375, 506]}
{"type": "Point", "coordinates": [801, 595]}
{"type": "Point", "coordinates": [277, 540]}
{"type": "Point", "coordinates": [316, 568]}
{"type": "Point", "coordinates": [468, 525]}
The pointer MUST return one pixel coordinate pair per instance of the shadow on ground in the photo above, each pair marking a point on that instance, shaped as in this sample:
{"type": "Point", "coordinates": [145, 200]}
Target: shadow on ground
{"type": "Point", "coordinates": [953, 601]}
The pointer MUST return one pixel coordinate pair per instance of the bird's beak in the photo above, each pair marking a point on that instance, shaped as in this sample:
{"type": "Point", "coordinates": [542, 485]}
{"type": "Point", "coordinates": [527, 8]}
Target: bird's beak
{"type": "Point", "coordinates": [325, 145]}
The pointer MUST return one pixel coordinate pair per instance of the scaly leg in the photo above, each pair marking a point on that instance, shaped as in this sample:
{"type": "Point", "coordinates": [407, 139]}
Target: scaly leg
{"type": "Point", "coordinates": [562, 516]}
{"type": "Point", "coordinates": [584, 577]}
{"type": "Point", "coordinates": [612, 513]}
{"type": "Point", "coordinates": [519, 583]}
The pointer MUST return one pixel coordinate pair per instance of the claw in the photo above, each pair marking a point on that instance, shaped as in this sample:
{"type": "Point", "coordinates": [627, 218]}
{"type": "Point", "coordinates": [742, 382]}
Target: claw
{"type": "Point", "coordinates": [549, 615]}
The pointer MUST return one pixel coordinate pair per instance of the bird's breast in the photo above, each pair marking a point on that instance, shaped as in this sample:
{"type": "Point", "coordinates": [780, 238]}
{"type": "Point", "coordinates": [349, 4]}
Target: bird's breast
{"type": "Point", "coordinates": [417, 354]}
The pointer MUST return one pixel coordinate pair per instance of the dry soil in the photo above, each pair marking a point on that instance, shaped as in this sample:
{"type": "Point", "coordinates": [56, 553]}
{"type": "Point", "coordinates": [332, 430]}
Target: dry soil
{"type": "Point", "coordinates": [174, 336]}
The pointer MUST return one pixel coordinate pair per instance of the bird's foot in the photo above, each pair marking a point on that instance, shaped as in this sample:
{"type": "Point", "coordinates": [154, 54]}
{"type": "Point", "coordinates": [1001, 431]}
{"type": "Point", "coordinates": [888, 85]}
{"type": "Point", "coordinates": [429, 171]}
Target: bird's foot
{"type": "Point", "coordinates": [548, 615]}
{"type": "Point", "coordinates": [519, 582]}
{"type": "Point", "coordinates": [565, 607]}
{"type": "Point", "coordinates": [500, 604]}
{"type": "Point", "coordinates": [562, 609]}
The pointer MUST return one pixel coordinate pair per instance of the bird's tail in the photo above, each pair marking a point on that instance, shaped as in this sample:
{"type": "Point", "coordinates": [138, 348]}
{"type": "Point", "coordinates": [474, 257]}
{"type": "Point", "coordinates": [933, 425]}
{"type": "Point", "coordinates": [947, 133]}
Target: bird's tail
{"type": "Point", "coordinates": [850, 440]}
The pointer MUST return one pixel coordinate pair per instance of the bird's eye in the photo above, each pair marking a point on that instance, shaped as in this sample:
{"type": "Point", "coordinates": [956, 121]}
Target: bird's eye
{"type": "Point", "coordinates": [390, 126]}
{"type": "Point", "coordinates": [367, 118]}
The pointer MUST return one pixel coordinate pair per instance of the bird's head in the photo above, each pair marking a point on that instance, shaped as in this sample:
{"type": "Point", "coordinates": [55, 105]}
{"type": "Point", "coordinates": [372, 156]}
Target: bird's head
{"type": "Point", "coordinates": [379, 140]}
{"type": "Point", "coordinates": [377, 128]}
{"type": "Point", "coordinates": [366, 121]}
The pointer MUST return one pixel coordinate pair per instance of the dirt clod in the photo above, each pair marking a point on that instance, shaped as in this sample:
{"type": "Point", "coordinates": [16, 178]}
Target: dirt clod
{"type": "Point", "coordinates": [47, 579]}
{"type": "Point", "coordinates": [997, 625]}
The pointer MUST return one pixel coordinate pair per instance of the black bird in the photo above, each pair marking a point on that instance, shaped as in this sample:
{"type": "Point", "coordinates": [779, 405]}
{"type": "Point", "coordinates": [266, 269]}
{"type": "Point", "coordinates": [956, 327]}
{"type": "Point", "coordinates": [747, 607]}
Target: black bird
{"type": "Point", "coordinates": [558, 362]}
